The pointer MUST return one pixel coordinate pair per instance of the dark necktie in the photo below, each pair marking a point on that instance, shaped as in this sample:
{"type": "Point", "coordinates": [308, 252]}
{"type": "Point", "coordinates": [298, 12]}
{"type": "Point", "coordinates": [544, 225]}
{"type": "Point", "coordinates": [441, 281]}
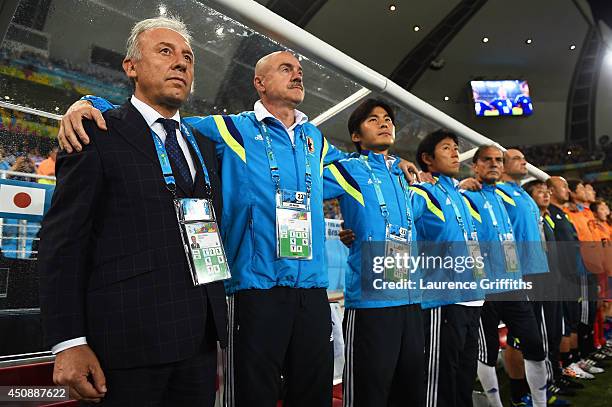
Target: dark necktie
{"type": "Point", "coordinates": [177, 158]}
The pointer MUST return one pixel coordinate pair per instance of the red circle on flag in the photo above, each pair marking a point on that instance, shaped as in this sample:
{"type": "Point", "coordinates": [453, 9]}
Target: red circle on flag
{"type": "Point", "coordinates": [22, 200]}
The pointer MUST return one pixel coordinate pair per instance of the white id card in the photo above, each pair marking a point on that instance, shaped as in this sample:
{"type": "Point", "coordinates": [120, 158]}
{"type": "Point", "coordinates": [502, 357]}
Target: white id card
{"type": "Point", "coordinates": [397, 246]}
{"type": "Point", "coordinates": [293, 225]}
{"type": "Point", "coordinates": [510, 256]}
{"type": "Point", "coordinates": [202, 240]}
{"type": "Point", "coordinates": [474, 252]}
{"type": "Point", "coordinates": [542, 236]}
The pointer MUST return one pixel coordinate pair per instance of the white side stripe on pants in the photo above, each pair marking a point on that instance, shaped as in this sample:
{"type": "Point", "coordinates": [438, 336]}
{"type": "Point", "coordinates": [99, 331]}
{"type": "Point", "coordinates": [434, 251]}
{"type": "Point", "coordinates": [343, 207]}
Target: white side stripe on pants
{"type": "Point", "coordinates": [434, 358]}
{"type": "Point", "coordinates": [584, 291]}
{"type": "Point", "coordinates": [549, 367]}
{"type": "Point", "coordinates": [228, 395]}
{"type": "Point", "coordinates": [348, 390]}
{"type": "Point", "coordinates": [482, 344]}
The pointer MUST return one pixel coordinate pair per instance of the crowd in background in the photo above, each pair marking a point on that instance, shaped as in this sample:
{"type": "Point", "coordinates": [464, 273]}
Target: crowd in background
{"type": "Point", "coordinates": [36, 61]}
{"type": "Point", "coordinates": [559, 154]}
{"type": "Point", "coordinates": [83, 78]}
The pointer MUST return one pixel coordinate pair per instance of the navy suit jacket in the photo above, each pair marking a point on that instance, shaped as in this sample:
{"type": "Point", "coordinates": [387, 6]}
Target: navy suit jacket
{"type": "Point", "coordinates": [111, 261]}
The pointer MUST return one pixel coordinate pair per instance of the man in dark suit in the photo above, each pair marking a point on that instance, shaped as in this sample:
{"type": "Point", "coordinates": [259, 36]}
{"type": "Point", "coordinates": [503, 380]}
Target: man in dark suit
{"type": "Point", "coordinates": [119, 307]}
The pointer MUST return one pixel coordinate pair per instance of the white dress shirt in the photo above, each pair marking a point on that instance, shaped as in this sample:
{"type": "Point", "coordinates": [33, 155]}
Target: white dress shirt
{"type": "Point", "coordinates": [261, 113]}
{"type": "Point", "coordinates": [150, 115]}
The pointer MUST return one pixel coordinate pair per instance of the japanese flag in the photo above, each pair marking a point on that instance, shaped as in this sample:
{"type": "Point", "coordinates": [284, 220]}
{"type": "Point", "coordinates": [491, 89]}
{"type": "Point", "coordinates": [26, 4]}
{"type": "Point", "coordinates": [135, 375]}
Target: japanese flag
{"type": "Point", "coordinates": [21, 200]}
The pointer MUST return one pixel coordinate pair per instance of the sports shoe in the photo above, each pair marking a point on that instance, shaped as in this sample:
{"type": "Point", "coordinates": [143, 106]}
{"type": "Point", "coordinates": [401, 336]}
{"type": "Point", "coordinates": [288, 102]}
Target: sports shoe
{"type": "Point", "coordinates": [589, 368]}
{"type": "Point", "coordinates": [567, 382]}
{"type": "Point", "coordinates": [553, 400]}
{"type": "Point", "coordinates": [606, 351]}
{"type": "Point", "coordinates": [558, 389]}
{"type": "Point", "coordinates": [579, 373]}
{"type": "Point", "coordinates": [567, 372]}
{"type": "Point", "coordinates": [595, 363]}
{"type": "Point", "coordinates": [525, 402]}
{"type": "Point", "coordinates": [599, 356]}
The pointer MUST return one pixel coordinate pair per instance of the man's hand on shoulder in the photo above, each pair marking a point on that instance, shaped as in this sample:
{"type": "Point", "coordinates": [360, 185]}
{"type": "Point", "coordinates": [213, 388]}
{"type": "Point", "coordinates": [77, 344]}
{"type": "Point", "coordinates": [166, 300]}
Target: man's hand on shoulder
{"type": "Point", "coordinates": [410, 170]}
{"type": "Point", "coordinates": [470, 184]}
{"type": "Point", "coordinates": [71, 133]}
{"type": "Point", "coordinates": [79, 369]}
{"type": "Point", "coordinates": [427, 177]}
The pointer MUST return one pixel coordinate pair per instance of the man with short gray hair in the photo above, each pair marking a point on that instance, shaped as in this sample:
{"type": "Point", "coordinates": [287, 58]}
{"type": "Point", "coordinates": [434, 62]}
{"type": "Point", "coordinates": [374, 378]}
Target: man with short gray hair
{"type": "Point", "coordinates": [129, 311]}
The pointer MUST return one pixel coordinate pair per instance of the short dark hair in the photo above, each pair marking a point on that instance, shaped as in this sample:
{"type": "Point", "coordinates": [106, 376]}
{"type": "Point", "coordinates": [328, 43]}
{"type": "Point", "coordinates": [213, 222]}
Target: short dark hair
{"type": "Point", "coordinates": [573, 183]}
{"type": "Point", "coordinates": [531, 185]}
{"type": "Point", "coordinates": [595, 205]}
{"type": "Point", "coordinates": [361, 113]}
{"type": "Point", "coordinates": [429, 143]}
{"type": "Point", "coordinates": [482, 149]}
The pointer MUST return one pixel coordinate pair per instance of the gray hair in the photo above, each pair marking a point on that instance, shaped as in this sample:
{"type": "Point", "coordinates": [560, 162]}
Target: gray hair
{"type": "Point", "coordinates": [171, 23]}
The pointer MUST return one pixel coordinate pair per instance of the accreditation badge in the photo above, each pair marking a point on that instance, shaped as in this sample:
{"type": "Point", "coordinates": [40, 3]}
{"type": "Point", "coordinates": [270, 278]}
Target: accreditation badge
{"type": "Point", "coordinates": [474, 252]}
{"type": "Point", "coordinates": [397, 246]}
{"type": "Point", "coordinates": [201, 240]}
{"type": "Point", "coordinates": [510, 254]}
{"type": "Point", "coordinates": [293, 225]}
{"type": "Point", "coordinates": [542, 235]}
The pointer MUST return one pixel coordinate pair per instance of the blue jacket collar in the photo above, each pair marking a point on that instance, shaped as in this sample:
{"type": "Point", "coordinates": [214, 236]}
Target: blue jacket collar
{"type": "Point", "coordinates": [444, 179]}
{"type": "Point", "coordinates": [488, 187]}
{"type": "Point", "coordinates": [376, 157]}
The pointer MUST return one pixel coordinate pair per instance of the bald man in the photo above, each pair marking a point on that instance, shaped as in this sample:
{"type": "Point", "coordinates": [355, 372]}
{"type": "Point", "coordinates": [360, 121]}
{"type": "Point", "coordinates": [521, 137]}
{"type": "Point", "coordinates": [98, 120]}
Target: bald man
{"type": "Point", "coordinates": [272, 225]}
{"type": "Point", "coordinates": [528, 230]}
{"type": "Point", "coordinates": [566, 232]}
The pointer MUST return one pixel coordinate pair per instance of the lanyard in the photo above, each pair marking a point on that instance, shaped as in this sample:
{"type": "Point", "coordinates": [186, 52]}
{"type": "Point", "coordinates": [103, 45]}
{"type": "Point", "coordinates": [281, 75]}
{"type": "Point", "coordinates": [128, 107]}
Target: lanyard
{"type": "Point", "coordinates": [457, 212]}
{"type": "Point", "coordinates": [407, 201]}
{"type": "Point", "coordinates": [502, 208]}
{"type": "Point", "coordinates": [274, 170]}
{"type": "Point", "coordinates": [164, 162]}
{"type": "Point", "coordinates": [379, 195]}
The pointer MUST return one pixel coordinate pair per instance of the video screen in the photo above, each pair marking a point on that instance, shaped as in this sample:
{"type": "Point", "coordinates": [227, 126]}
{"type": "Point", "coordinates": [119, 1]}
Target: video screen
{"type": "Point", "coordinates": [501, 98]}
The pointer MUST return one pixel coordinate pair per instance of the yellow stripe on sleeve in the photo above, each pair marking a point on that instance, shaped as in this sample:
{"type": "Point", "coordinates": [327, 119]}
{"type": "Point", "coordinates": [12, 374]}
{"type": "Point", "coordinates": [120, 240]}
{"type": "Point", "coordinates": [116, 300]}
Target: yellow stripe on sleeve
{"type": "Point", "coordinates": [549, 221]}
{"type": "Point", "coordinates": [228, 138]}
{"type": "Point", "coordinates": [473, 212]}
{"type": "Point", "coordinates": [505, 197]}
{"type": "Point", "coordinates": [324, 153]}
{"type": "Point", "coordinates": [430, 205]}
{"type": "Point", "coordinates": [345, 185]}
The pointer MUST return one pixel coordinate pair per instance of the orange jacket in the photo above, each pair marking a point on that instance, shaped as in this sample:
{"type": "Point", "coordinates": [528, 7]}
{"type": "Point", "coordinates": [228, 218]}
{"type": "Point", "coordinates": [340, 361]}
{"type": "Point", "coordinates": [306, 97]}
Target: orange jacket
{"type": "Point", "coordinates": [590, 246]}
{"type": "Point", "coordinates": [602, 232]}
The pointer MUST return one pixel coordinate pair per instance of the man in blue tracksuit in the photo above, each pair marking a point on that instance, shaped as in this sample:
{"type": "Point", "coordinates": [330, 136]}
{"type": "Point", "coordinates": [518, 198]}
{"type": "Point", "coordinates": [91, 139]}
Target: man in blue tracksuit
{"type": "Point", "coordinates": [383, 327]}
{"type": "Point", "coordinates": [444, 218]}
{"type": "Point", "coordinates": [272, 227]}
{"type": "Point", "coordinates": [495, 230]}
{"type": "Point", "coordinates": [529, 234]}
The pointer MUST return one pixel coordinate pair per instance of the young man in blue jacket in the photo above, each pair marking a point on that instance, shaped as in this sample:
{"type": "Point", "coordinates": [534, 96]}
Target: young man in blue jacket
{"type": "Point", "coordinates": [383, 326]}
{"type": "Point", "coordinates": [445, 219]}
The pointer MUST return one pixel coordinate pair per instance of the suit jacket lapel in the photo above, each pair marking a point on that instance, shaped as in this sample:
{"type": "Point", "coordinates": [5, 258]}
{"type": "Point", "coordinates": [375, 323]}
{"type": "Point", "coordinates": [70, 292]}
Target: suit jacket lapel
{"type": "Point", "coordinates": [134, 129]}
